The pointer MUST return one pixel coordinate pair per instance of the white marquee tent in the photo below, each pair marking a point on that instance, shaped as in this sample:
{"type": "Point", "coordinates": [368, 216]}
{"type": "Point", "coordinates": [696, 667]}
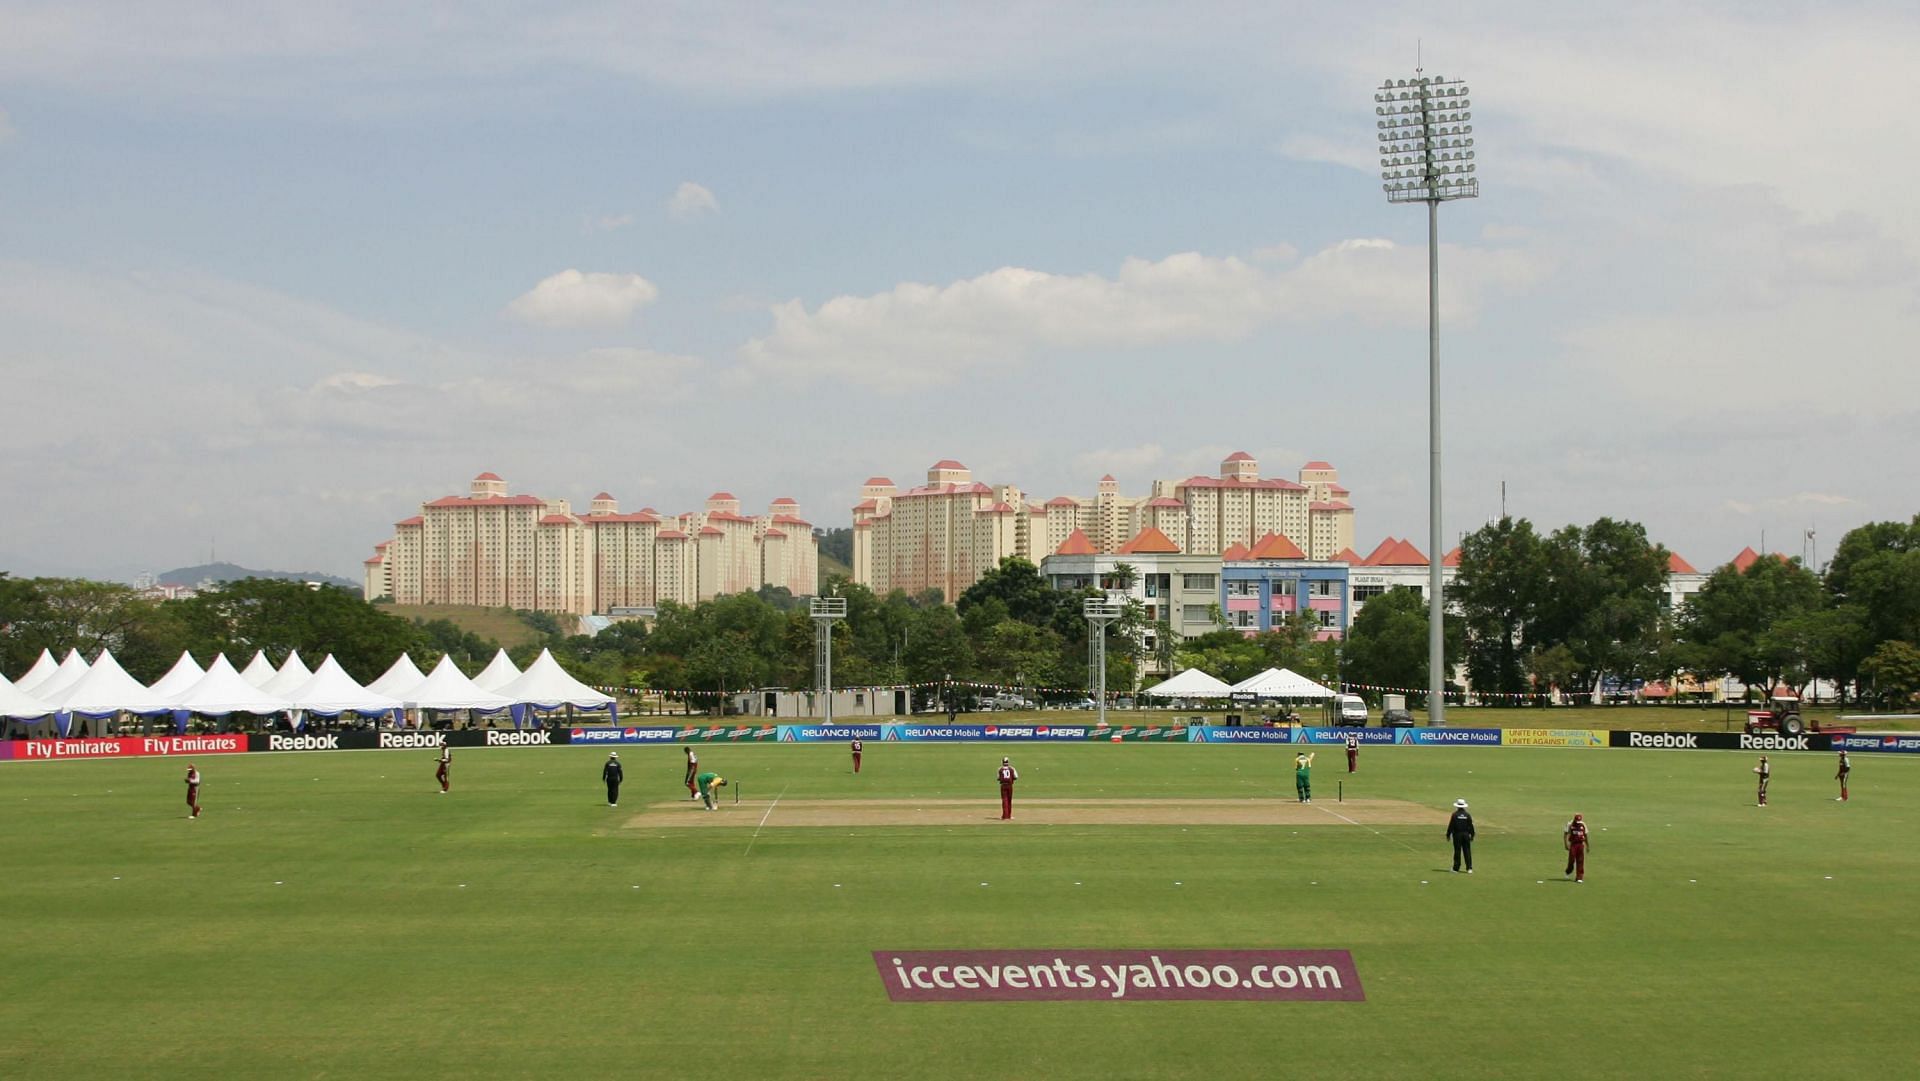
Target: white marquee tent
{"type": "Point", "coordinates": [402, 677]}
{"type": "Point", "coordinates": [107, 688]}
{"type": "Point", "coordinates": [70, 672]}
{"type": "Point", "coordinates": [258, 670]}
{"type": "Point", "coordinates": [291, 674]}
{"type": "Point", "coordinates": [547, 685]}
{"type": "Point", "coordinates": [17, 703]}
{"type": "Point", "coordinates": [1192, 683]}
{"type": "Point", "coordinates": [446, 687]}
{"type": "Point", "coordinates": [331, 690]}
{"type": "Point", "coordinates": [42, 668]}
{"type": "Point", "coordinates": [1280, 683]}
{"type": "Point", "coordinates": [185, 673]}
{"type": "Point", "coordinates": [223, 690]}
{"type": "Point", "coordinates": [498, 673]}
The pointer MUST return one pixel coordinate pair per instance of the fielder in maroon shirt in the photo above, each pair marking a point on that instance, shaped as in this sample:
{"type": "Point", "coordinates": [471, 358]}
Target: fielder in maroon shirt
{"type": "Point", "coordinates": [856, 756]}
{"type": "Point", "coordinates": [193, 791]}
{"type": "Point", "coordinates": [1008, 775]}
{"type": "Point", "coordinates": [446, 763]}
{"type": "Point", "coordinates": [1576, 838]}
{"type": "Point", "coordinates": [1846, 770]}
{"type": "Point", "coordinates": [693, 767]}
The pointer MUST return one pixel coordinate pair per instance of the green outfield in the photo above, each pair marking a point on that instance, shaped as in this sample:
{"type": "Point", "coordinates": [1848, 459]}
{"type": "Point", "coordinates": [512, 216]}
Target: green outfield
{"type": "Point", "coordinates": [332, 915]}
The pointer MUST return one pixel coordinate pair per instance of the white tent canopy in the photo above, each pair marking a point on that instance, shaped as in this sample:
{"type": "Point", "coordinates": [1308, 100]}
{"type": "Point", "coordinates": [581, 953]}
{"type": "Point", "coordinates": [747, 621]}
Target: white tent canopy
{"type": "Point", "coordinates": [1192, 683]}
{"type": "Point", "coordinates": [291, 674]}
{"type": "Point", "coordinates": [258, 670]}
{"type": "Point", "coordinates": [547, 685]}
{"type": "Point", "coordinates": [185, 673]}
{"type": "Point", "coordinates": [223, 690]}
{"type": "Point", "coordinates": [331, 690]}
{"type": "Point", "coordinates": [70, 672]}
{"type": "Point", "coordinates": [498, 673]}
{"type": "Point", "coordinates": [403, 677]}
{"type": "Point", "coordinates": [17, 703]}
{"type": "Point", "coordinates": [42, 668]}
{"type": "Point", "coordinates": [446, 687]}
{"type": "Point", "coordinates": [1280, 683]}
{"type": "Point", "coordinates": [107, 688]}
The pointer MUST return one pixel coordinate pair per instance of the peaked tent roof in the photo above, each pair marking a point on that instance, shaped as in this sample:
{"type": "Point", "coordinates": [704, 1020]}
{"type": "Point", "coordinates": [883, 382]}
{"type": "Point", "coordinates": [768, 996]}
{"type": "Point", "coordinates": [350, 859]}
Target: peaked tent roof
{"type": "Point", "coordinates": [258, 670]}
{"type": "Point", "coordinates": [547, 685]}
{"type": "Point", "coordinates": [1347, 555]}
{"type": "Point", "coordinates": [43, 667]}
{"type": "Point", "coordinates": [1234, 553]}
{"type": "Point", "coordinates": [402, 677]}
{"type": "Point", "coordinates": [185, 673]}
{"type": "Point", "coordinates": [291, 674]}
{"type": "Point", "coordinates": [446, 687]}
{"type": "Point", "coordinates": [71, 671]}
{"type": "Point", "coordinates": [18, 703]}
{"type": "Point", "coordinates": [1276, 546]}
{"type": "Point", "coordinates": [331, 690]}
{"type": "Point", "coordinates": [1150, 542]}
{"type": "Point", "coordinates": [224, 690]}
{"type": "Point", "coordinates": [498, 673]}
{"type": "Point", "coordinates": [1676, 565]}
{"type": "Point", "coordinates": [107, 688]}
{"type": "Point", "coordinates": [1192, 683]}
{"type": "Point", "coordinates": [1281, 683]}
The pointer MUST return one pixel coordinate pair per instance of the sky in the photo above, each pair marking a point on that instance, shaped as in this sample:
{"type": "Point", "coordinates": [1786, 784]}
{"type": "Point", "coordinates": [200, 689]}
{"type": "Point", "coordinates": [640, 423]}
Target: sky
{"type": "Point", "coordinates": [272, 275]}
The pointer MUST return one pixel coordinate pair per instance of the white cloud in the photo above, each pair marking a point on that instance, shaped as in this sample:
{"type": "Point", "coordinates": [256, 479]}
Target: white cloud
{"type": "Point", "coordinates": [573, 298]}
{"type": "Point", "coordinates": [918, 334]}
{"type": "Point", "coordinates": [691, 201]}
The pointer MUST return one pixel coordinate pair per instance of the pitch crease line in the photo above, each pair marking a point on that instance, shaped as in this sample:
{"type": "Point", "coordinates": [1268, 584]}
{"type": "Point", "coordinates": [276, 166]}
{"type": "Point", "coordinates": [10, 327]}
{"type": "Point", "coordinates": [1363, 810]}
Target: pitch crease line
{"type": "Point", "coordinates": [763, 820]}
{"type": "Point", "coordinates": [1368, 828]}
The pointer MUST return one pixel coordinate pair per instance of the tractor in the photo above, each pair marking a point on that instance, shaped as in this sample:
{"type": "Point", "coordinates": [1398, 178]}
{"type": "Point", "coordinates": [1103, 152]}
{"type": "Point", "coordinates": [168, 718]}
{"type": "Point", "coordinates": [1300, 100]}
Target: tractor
{"type": "Point", "coordinates": [1783, 716]}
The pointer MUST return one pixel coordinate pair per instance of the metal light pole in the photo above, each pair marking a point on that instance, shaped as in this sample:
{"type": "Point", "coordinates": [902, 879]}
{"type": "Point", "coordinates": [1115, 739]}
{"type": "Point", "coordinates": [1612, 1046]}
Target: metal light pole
{"type": "Point", "coordinates": [825, 611]}
{"type": "Point", "coordinates": [1426, 156]}
{"type": "Point", "coordinates": [1100, 614]}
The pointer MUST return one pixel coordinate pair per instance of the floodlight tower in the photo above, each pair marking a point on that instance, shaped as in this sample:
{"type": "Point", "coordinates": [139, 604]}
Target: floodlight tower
{"type": "Point", "coordinates": [825, 612]}
{"type": "Point", "coordinates": [1426, 156]}
{"type": "Point", "coordinates": [1101, 614]}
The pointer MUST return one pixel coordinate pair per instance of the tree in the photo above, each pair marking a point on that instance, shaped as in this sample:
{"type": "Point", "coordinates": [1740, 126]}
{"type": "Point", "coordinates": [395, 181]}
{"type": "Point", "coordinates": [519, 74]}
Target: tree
{"type": "Point", "coordinates": [1387, 644]}
{"type": "Point", "coordinates": [1602, 598]}
{"type": "Point", "coordinates": [1739, 621]}
{"type": "Point", "coordinates": [1501, 589]}
{"type": "Point", "coordinates": [1017, 585]}
{"type": "Point", "coordinates": [1893, 672]}
{"type": "Point", "coordinates": [281, 616]}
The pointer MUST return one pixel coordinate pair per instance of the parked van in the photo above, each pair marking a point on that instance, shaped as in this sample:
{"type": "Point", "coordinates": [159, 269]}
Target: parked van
{"type": "Point", "coordinates": [1350, 709]}
{"type": "Point", "coordinates": [1009, 701]}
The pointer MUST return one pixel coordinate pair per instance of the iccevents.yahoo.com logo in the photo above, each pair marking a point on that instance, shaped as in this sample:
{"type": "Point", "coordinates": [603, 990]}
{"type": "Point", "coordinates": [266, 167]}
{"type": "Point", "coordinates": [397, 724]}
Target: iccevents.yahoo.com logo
{"type": "Point", "coordinates": [1124, 975]}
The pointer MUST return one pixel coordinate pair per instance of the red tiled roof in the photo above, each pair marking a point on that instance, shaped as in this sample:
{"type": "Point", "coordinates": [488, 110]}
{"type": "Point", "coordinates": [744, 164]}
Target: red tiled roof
{"type": "Point", "coordinates": [1331, 507]}
{"type": "Point", "coordinates": [1403, 554]}
{"type": "Point", "coordinates": [785, 501]}
{"type": "Point", "coordinates": [1748, 557]}
{"type": "Point", "coordinates": [946, 463]}
{"type": "Point", "coordinates": [382, 545]}
{"type": "Point", "coordinates": [1235, 551]}
{"type": "Point", "coordinates": [1676, 565]}
{"type": "Point", "coordinates": [1451, 559]}
{"type": "Point", "coordinates": [489, 501]}
{"type": "Point", "coordinates": [709, 531]}
{"type": "Point", "coordinates": [875, 482]}
{"type": "Point", "coordinates": [776, 534]}
{"type": "Point", "coordinates": [1076, 544]}
{"type": "Point", "coordinates": [488, 476]}
{"type": "Point", "coordinates": [974, 488]}
{"type": "Point", "coordinates": [672, 534]}
{"type": "Point", "coordinates": [1106, 478]}
{"type": "Point", "coordinates": [1317, 464]}
{"type": "Point", "coordinates": [1063, 501]}
{"type": "Point", "coordinates": [1380, 551]}
{"type": "Point", "coordinates": [1346, 555]}
{"type": "Point", "coordinates": [720, 495]}
{"type": "Point", "coordinates": [1150, 542]}
{"type": "Point", "coordinates": [1339, 489]}
{"type": "Point", "coordinates": [1036, 508]}
{"type": "Point", "coordinates": [726, 516]}
{"type": "Point", "coordinates": [999, 508]}
{"type": "Point", "coordinates": [1238, 456]}
{"type": "Point", "coordinates": [372, 560]}
{"type": "Point", "coordinates": [1225, 482]}
{"type": "Point", "coordinates": [415, 520]}
{"type": "Point", "coordinates": [642, 518]}
{"type": "Point", "coordinates": [603, 495]}
{"type": "Point", "coordinates": [791, 519]}
{"type": "Point", "coordinates": [555, 519]}
{"type": "Point", "coordinates": [867, 504]}
{"type": "Point", "coordinates": [1276, 546]}
{"type": "Point", "coordinates": [1166, 501]}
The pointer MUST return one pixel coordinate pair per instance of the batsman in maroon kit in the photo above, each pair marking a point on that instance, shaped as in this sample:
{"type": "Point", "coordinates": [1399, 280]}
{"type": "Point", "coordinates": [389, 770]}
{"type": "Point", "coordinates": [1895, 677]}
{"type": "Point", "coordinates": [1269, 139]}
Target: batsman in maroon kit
{"type": "Point", "coordinates": [693, 767]}
{"type": "Point", "coordinates": [446, 763]}
{"type": "Point", "coordinates": [1353, 754]}
{"type": "Point", "coordinates": [193, 791]}
{"type": "Point", "coordinates": [856, 756]}
{"type": "Point", "coordinates": [1008, 775]}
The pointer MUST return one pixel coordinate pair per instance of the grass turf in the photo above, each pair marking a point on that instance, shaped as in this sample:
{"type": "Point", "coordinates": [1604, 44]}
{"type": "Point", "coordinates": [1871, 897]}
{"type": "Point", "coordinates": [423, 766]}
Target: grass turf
{"type": "Point", "coordinates": [331, 915]}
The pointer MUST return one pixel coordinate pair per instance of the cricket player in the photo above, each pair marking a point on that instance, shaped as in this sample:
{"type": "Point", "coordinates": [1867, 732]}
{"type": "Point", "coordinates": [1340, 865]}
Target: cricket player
{"type": "Point", "coordinates": [1766, 774]}
{"type": "Point", "coordinates": [1007, 776]}
{"type": "Point", "coordinates": [1303, 776]}
{"type": "Point", "coordinates": [693, 766]}
{"type": "Point", "coordinates": [856, 755]}
{"type": "Point", "coordinates": [1460, 832]}
{"type": "Point", "coordinates": [446, 763]}
{"type": "Point", "coordinates": [1353, 753]}
{"type": "Point", "coordinates": [1576, 841]}
{"type": "Point", "coordinates": [710, 785]}
{"type": "Point", "coordinates": [193, 791]}
{"type": "Point", "coordinates": [613, 774]}
{"type": "Point", "coordinates": [1846, 770]}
